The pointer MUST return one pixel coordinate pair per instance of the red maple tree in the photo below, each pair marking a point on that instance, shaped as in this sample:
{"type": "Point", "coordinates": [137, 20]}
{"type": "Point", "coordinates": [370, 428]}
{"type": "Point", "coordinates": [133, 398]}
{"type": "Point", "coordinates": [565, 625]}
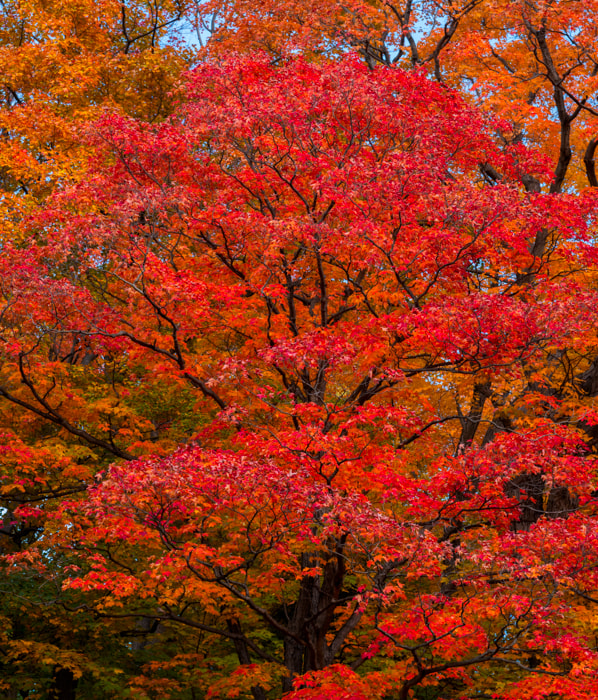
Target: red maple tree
{"type": "Point", "coordinates": [388, 483]}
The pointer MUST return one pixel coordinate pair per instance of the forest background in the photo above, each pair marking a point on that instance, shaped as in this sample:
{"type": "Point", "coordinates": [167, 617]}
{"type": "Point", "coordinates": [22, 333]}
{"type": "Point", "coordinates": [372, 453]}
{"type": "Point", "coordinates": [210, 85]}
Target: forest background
{"type": "Point", "coordinates": [298, 355]}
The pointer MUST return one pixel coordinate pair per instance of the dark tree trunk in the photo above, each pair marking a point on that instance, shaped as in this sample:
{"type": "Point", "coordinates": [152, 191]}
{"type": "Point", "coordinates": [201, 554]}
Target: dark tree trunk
{"type": "Point", "coordinates": [234, 626]}
{"type": "Point", "coordinates": [65, 685]}
{"type": "Point", "coordinates": [306, 648]}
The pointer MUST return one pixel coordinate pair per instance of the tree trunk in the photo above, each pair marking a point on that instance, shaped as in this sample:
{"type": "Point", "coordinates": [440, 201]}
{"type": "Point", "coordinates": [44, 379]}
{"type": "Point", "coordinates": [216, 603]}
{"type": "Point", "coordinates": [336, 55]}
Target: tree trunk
{"type": "Point", "coordinates": [65, 685]}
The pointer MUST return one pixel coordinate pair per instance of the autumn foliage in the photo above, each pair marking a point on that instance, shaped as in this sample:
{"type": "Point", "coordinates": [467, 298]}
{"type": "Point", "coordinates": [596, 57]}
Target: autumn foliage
{"type": "Point", "coordinates": [299, 362]}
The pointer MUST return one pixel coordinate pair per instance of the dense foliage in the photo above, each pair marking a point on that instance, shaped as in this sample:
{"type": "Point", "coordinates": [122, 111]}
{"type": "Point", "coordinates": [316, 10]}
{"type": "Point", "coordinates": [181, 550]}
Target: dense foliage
{"type": "Point", "coordinates": [298, 351]}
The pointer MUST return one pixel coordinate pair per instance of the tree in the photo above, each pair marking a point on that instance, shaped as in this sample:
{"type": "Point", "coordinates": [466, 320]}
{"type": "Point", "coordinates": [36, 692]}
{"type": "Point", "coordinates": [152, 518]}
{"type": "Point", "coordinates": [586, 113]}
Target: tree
{"type": "Point", "coordinates": [387, 484]}
{"type": "Point", "coordinates": [532, 63]}
{"type": "Point", "coordinates": [62, 65]}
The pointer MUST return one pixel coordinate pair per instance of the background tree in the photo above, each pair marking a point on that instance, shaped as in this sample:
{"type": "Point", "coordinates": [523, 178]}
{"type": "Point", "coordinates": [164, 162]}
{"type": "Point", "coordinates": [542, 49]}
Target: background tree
{"type": "Point", "coordinates": [62, 65]}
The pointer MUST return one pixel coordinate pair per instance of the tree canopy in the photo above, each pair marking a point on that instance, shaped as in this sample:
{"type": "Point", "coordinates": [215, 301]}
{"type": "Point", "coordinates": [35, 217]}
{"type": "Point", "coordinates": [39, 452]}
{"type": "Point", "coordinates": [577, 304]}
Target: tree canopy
{"type": "Point", "coordinates": [298, 350]}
